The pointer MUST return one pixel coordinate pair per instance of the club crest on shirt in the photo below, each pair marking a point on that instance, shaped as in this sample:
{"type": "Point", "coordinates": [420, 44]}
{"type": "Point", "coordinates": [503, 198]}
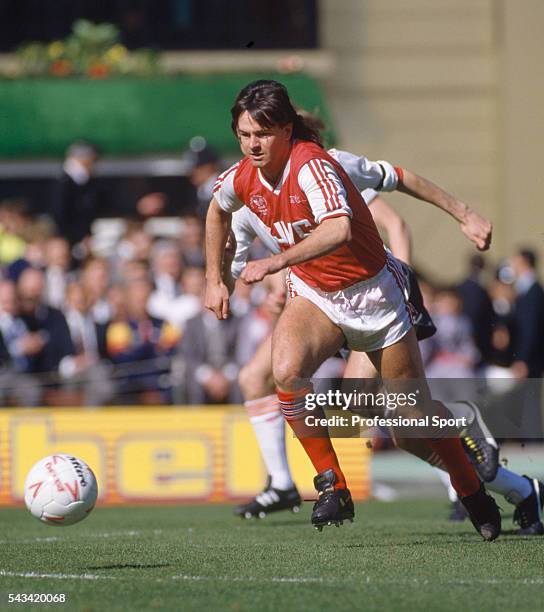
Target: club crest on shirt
{"type": "Point", "coordinates": [258, 204]}
{"type": "Point", "coordinates": [295, 199]}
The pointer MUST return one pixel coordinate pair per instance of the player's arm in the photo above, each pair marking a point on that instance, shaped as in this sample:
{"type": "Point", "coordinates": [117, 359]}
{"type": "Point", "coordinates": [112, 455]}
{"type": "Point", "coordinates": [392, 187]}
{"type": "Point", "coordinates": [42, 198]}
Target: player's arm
{"type": "Point", "coordinates": [326, 196]}
{"type": "Point", "coordinates": [475, 227]}
{"type": "Point", "coordinates": [398, 233]}
{"type": "Point", "coordinates": [217, 231]}
{"type": "Point", "coordinates": [382, 176]}
{"type": "Point", "coordinates": [328, 236]}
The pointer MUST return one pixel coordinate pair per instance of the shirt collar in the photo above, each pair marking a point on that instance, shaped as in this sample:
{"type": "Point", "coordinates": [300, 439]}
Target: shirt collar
{"type": "Point", "coordinates": [277, 188]}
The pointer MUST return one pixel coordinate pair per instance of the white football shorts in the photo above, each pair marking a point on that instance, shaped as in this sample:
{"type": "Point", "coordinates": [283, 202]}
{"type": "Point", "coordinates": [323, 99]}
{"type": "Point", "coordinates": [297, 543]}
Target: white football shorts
{"type": "Point", "coordinates": [372, 314]}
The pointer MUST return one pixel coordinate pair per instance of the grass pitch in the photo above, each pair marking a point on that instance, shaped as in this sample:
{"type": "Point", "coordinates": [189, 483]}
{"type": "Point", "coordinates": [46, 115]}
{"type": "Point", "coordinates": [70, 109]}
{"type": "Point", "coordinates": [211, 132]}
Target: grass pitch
{"type": "Point", "coordinates": [399, 556]}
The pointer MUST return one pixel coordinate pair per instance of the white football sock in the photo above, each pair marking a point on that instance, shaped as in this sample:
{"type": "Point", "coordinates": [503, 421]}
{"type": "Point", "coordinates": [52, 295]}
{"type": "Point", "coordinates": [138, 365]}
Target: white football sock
{"type": "Point", "coordinates": [445, 478]}
{"type": "Point", "coordinates": [269, 426]}
{"type": "Point", "coordinates": [514, 487]}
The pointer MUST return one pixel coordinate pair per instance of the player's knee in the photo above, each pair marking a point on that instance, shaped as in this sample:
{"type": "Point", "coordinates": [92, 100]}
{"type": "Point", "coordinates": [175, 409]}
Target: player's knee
{"type": "Point", "coordinates": [255, 382]}
{"type": "Point", "coordinates": [286, 374]}
{"type": "Point", "coordinates": [246, 379]}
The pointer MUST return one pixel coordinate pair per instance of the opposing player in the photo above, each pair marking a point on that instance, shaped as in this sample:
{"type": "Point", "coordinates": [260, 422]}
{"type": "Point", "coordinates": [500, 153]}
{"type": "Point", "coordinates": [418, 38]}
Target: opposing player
{"type": "Point", "coordinates": [343, 287]}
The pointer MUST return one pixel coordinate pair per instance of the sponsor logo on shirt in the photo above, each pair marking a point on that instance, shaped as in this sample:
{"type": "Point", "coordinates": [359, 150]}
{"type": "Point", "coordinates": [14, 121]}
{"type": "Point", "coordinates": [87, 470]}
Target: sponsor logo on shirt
{"type": "Point", "coordinates": [287, 233]}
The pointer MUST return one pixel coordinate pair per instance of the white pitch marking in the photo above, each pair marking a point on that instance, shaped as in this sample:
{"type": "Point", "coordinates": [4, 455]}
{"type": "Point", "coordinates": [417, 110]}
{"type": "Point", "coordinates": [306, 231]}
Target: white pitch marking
{"type": "Point", "coordinates": [294, 579]}
{"type": "Point", "coordinates": [113, 534]}
{"type": "Point", "coordinates": [367, 579]}
{"type": "Point", "coordinates": [247, 579]}
{"type": "Point", "coordinates": [57, 576]}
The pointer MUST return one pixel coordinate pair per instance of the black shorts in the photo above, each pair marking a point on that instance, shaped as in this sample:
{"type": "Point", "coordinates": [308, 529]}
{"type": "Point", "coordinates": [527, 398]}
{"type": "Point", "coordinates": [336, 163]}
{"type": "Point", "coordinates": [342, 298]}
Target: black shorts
{"type": "Point", "coordinates": [425, 328]}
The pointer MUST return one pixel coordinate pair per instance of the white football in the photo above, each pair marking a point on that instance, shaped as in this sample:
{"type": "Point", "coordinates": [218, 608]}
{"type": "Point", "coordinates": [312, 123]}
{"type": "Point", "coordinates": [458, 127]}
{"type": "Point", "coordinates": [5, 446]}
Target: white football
{"type": "Point", "coordinates": [60, 490]}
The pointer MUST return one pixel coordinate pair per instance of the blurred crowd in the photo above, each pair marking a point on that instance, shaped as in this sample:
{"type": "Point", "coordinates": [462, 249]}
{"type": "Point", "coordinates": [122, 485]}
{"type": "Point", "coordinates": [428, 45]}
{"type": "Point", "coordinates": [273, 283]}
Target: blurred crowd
{"type": "Point", "coordinates": [117, 316]}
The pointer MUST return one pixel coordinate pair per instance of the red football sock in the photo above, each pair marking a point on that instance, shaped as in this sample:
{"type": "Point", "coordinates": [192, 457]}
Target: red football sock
{"type": "Point", "coordinates": [318, 447]}
{"type": "Point", "coordinates": [462, 474]}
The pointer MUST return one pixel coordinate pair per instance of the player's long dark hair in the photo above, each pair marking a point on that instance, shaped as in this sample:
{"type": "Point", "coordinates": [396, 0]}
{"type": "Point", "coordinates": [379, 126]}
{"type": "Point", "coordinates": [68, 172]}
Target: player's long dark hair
{"type": "Point", "coordinates": [268, 103]}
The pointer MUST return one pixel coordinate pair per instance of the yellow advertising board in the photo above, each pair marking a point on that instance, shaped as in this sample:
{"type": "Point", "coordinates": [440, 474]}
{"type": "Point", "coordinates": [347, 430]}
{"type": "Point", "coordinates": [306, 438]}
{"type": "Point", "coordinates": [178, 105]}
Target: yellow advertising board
{"type": "Point", "coordinates": [162, 454]}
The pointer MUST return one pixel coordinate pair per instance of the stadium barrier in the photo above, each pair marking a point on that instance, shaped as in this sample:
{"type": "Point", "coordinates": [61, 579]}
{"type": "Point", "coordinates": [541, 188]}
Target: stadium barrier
{"type": "Point", "coordinates": [159, 455]}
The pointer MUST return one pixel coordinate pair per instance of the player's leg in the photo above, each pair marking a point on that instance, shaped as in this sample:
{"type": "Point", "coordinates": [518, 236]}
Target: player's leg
{"type": "Point", "coordinates": [399, 364]}
{"type": "Point", "coordinates": [262, 405]}
{"type": "Point", "coordinates": [526, 494]}
{"type": "Point", "coordinates": [304, 337]}
{"type": "Point", "coordinates": [359, 365]}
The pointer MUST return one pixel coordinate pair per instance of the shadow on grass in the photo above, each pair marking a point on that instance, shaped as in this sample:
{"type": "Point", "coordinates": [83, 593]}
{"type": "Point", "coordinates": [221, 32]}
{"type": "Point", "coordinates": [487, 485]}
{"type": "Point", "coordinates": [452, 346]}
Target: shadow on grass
{"type": "Point", "coordinates": [446, 539]}
{"type": "Point", "coordinates": [127, 566]}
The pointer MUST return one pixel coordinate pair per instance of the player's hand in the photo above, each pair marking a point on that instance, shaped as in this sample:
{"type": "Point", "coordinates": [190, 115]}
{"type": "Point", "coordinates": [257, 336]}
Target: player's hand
{"type": "Point", "coordinates": [217, 299]}
{"type": "Point", "coordinates": [477, 229]}
{"type": "Point", "coordinates": [256, 270]}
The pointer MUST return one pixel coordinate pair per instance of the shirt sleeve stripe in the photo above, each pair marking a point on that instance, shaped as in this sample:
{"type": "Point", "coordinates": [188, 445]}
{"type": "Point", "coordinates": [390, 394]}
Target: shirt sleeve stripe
{"type": "Point", "coordinates": [323, 181]}
{"type": "Point", "coordinates": [223, 176]}
{"type": "Point", "coordinates": [335, 203]}
{"type": "Point", "coordinates": [334, 213]}
{"type": "Point", "coordinates": [320, 184]}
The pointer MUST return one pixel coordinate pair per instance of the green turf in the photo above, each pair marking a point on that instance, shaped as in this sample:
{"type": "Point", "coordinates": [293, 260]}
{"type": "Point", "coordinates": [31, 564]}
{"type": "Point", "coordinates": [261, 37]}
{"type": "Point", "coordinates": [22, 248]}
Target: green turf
{"type": "Point", "coordinates": [400, 556]}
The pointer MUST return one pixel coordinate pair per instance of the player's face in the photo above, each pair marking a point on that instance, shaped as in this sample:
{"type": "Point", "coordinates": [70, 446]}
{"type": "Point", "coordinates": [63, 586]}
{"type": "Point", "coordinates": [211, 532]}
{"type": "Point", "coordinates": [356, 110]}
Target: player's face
{"type": "Point", "coordinates": [264, 146]}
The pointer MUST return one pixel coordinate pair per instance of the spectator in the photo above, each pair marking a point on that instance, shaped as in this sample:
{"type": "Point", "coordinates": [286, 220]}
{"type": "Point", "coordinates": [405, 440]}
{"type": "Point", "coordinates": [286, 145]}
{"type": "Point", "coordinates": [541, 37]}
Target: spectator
{"type": "Point", "coordinates": [528, 316]}
{"type": "Point", "coordinates": [192, 242]}
{"type": "Point", "coordinates": [187, 305]}
{"type": "Point", "coordinates": [208, 348]}
{"type": "Point", "coordinates": [152, 204]}
{"type": "Point", "coordinates": [502, 339]}
{"type": "Point", "coordinates": [166, 268]}
{"type": "Point", "coordinates": [54, 356]}
{"type": "Point", "coordinates": [96, 278]}
{"type": "Point", "coordinates": [13, 331]}
{"type": "Point", "coordinates": [57, 271]}
{"type": "Point", "coordinates": [451, 352]}
{"type": "Point", "coordinates": [528, 339]}
{"type": "Point", "coordinates": [205, 170]}
{"type": "Point", "coordinates": [477, 306]}
{"type": "Point", "coordinates": [137, 341]}
{"type": "Point", "coordinates": [90, 374]}
{"type": "Point", "coordinates": [17, 347]}
{"type": "Point", "coordinates": [14, 219]}
{"type": "Point", "coordinates": [75, 201]}
{"type": "Point", "coordinates": [36, 234]}
{"type": "Point", "coordinates": [135, 270]}
{"type": "Point", "coordinates": [135, 244]}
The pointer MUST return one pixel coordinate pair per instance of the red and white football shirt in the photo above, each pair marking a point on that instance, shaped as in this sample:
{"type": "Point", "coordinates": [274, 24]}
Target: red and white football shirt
{"type": "Point", "coordinates": [314, 187]}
